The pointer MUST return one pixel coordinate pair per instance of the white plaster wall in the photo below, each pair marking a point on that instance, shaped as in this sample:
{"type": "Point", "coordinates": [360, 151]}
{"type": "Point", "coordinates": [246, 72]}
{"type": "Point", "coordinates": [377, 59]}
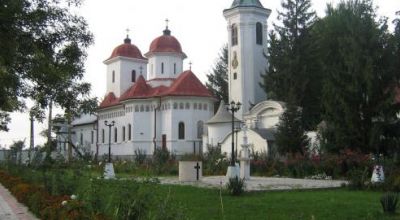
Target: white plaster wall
{"type": "Point", "coordinates": [250, 57]}
{"type": "Point", "coordinates": [169, 59]}
{"type": "Point", "coordinates": [86, 131]}
{"type": "Point", "coordinates": [217, 132]}
{"type": "Point", "coordinates": [254, 139]}
{"type": "Point", "coordinates": [123, 68]}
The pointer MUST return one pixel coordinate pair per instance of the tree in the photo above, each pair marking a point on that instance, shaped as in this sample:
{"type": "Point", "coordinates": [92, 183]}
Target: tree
{"type": "Point", "coordinates": [218, 78]}
{"type": "Point", "coordinates": [357, 56]}
{"type": "Point", "coordinates": [42, 49]}
{"type": "Point", "coordinates": [291, 76]}
{"type": "Point", "coordinates": [290, 136]}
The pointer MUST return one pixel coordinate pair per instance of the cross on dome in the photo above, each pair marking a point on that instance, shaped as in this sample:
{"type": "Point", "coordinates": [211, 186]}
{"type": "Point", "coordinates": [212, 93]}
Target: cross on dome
{"type": "Point", "coordinates": [127, 39]}
{"type": "Point", "coordinates": [127, 32]}
{"type": "Point", "coordinates": [190, 65]}
{"type": "Point", "coordinates": [166, 23]}
{"type": "Point", "coordinates": [166, 31]}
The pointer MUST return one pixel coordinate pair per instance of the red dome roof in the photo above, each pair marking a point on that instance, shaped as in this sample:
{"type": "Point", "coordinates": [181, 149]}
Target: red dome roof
{"type": "Point", "coordinates": [127, 50]}
{"type": "Point", "coordinates": [166, 43]}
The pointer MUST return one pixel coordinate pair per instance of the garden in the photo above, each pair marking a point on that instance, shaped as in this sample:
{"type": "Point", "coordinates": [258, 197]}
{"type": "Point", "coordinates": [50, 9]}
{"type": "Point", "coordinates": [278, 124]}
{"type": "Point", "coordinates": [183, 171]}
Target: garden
{"type": "Point", "coordinates": [55, 189]}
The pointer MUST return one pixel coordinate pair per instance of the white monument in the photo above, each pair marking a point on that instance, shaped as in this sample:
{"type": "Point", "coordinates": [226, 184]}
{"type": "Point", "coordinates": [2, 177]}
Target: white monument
{"type": "Point", "coordinates": [245, 157]}
{"type": "Point", "coordinates": [109, 171]}
{"type": "Point", "coordinates": [378, 176]}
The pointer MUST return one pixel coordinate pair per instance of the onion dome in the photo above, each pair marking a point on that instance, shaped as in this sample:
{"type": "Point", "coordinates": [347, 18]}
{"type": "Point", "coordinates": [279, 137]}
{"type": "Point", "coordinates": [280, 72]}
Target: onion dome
{"type": "Point", "coordinates": [166, 43]}
{"type": "Point", "coordinates": [127, 49]}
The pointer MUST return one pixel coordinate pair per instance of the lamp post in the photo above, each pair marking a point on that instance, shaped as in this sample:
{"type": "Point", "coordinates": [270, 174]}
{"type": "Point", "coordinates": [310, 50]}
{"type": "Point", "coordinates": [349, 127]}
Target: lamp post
{"type": "Point", "coordinates": [233, 107]}
{"type": "Point", "coordinates": [109, 138]}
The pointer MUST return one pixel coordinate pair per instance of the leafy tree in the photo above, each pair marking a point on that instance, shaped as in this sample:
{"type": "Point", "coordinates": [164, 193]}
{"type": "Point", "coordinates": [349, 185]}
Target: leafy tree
{"type": "Point", "coordinates": [291, 75]}
{"type": "Point", "coordinates": [357, 56]}
{"type": "Point", "coordinates": [290, 136]}
{"type": "Point", "coordinates": [218, 78]}
{"type": "Point", "coordinates": [42, 49]}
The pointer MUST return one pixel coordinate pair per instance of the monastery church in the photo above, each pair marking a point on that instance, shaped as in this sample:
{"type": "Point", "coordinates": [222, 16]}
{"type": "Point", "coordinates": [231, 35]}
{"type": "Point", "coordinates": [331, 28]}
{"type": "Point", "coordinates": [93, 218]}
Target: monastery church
{"type": "Point", "coordinates": [155, 103]}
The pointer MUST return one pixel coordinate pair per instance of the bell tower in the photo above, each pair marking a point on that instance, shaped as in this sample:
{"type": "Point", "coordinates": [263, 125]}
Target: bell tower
{"type": "Point", "coordinates": [247, 45]}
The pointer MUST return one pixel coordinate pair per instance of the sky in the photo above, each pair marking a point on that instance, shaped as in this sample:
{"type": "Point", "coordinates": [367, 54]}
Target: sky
{"type": "Point", "coordinates": [198, 25]}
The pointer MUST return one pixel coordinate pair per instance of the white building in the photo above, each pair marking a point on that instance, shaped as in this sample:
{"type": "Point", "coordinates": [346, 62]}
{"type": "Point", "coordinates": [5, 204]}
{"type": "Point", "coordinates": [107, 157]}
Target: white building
{"type": "Point", "coordinates": [154, 103]}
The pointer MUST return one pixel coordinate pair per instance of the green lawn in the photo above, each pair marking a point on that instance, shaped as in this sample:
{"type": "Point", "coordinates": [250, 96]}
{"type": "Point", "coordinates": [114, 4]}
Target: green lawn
{"type": "Point", "coordinates": [335, 204]}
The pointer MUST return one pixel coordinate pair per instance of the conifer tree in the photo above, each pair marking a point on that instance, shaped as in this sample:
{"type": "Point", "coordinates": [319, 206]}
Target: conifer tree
{"type": "Point", "coordinates": [218, 78]}
{"type": "Point", "coordinates": [357, 53]}
{"type": "Point", "coordinates": [291, 76]}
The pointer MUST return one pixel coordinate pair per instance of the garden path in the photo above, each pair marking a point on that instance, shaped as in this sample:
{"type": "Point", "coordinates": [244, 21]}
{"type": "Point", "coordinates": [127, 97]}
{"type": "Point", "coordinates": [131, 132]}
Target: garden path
{"type": "Point", "coordinates": [11, 209]}
{"type": "Point", "coordinates": [260, 183]}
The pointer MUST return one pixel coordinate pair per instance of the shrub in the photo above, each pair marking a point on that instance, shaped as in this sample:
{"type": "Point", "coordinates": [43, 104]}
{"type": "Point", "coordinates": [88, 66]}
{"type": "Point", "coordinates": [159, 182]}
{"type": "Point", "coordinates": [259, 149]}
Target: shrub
{"type": "Point", "coordinates": [214, 162]}
{"type": "Point", "coordinates": [140, 156]}
{"type": "Point", "coordinates": [235, 186]}
{"type": "Point", "coordinates": [358, 178]}
{"type": "Point", "coordinates": [389, 202]}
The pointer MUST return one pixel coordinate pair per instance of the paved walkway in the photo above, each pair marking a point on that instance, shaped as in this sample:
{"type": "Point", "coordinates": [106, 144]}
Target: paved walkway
{"type": "Point", "coordinates": [10, 209]}
{"type": "Point", "coordinates": [260, 183]}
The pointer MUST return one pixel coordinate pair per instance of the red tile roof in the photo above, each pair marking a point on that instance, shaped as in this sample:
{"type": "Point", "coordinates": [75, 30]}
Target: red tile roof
{"type": "Point", "coordinates": [187, 84]}
{"type": "Point", "coordinates": [165, 43]}
{"type": "Point", "coordinates": [109, 100]}
{"type": "Point", "coordinates": [127, 50]}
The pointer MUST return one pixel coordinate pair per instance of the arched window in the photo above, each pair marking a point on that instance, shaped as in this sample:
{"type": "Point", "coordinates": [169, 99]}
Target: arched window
{"type": "Point", "coordinates": [81, 139]}
{"type": "Point", "coordinates": [259, 34]}
{"type": "Point", "coordinates": [92, 136]}
{"type": "Point", "coordinates": [102, 136]}
{"type": "Point", "coordinates": [234, 75]}
{"type": "Point", "coordinates": [129, 131]}
{"type": "Point", "coordinates": [181, 105]}
{"type": "Point", "coordinates": [115, 135]}
{"type": "Point", "coordinates": [123, 133]}
{"type": "Point", "coordinates": [133, 76]}
{"type": "Point", "coordinates": [181, 131]}
{"type": "Point", "coordinates": [162, 68]}
{"type": "Point", "coordinates": [234, 35]}
{"type": "Point", "coordinates": [174, 68]}
{"type": "Point", "coordinates": [200, 129]}
{"type": "Point", "coordinates": [113, 76]}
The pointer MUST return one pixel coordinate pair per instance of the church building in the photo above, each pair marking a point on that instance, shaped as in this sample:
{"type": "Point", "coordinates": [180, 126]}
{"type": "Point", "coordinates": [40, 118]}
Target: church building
{"type": "Point", "coordinates": [155, 103]}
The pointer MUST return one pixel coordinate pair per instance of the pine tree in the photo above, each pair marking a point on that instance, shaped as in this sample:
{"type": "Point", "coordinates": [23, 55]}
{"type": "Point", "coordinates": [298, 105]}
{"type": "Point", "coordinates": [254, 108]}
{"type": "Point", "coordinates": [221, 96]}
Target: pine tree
{"type": "Point", "coordinates": [290, 136]}
{"type": "Point", "coordinates": [292, 76]}
{"type": "Point", "coordinates": [357, 54]}
{"type": "Point", "coordinates": [218, 78]}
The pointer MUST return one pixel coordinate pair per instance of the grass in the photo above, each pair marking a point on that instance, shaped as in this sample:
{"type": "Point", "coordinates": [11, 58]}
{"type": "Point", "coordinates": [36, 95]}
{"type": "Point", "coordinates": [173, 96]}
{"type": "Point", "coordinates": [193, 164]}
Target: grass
{"type": "Point", "coordinates": [312, 204]}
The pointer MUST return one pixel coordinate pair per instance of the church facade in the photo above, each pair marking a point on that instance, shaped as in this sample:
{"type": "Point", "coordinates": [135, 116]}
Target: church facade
{"type": "Point", "coordinates": [154, 103]}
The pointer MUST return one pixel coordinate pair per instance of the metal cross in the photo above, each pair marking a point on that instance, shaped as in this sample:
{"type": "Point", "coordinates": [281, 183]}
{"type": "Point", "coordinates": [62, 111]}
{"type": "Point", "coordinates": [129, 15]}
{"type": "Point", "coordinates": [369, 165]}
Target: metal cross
{"type": "Point", "coordinates": [190, 65]}
{"type": "Point", "coordinates": [127, 31]}
{"type": "Point", "coordinates": [197, 167]}
{"type": "Point", "coordinates": [166, 22]}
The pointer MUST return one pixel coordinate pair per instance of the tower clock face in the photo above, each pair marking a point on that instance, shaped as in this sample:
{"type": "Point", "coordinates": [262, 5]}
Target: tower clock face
{"type": "Point", "coordinates": [235, 61]}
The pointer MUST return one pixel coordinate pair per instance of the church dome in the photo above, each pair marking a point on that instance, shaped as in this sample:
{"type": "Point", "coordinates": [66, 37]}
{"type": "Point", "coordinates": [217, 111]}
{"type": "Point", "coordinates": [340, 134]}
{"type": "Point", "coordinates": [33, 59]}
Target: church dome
{"type": "Point", "coordinates": [166, 43]}
{"type": "Point", "coordinates": [127, 49]}
{"type": "Point", "coordinates": [255, 3]}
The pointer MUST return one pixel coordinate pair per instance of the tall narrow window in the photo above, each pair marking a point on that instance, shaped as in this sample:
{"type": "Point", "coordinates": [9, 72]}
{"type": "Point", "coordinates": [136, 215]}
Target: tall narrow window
{"type": "Point", "coordinates": [92, 136]}
{"type": "Point", "coordinates": [115, 135]}
{"type": "Point", "coordinates": [133, 76]}
{"type": "Point", "coordinates": [81, 139]}
{"type": "Point", "coordinates": [181, 131]}
{"type": "Point", "coordinates": [259, 34]}
{"type": "Point", "coordinates": [174, 68]}
{"type": "Point", "coordinates": [123, 133]}
{"type": "Point", "coordinates": [200, 129]}
{"type": "Point", "coordinates": [113, 76]}
{"type": "Point", "coordinates": [102, 136]}
{"type": "Point", "coordinates": [129, 131]}
{"type": "Point", "coordinates": [234, 75]}
{"type": "Point", "coordinates": [234, 35]}
{"type": "Point", "coordinates": [162, 68]}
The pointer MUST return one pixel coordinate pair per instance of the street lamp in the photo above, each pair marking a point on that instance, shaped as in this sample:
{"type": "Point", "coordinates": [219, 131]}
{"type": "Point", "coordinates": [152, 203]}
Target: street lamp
{"type": "Point", "coordinates": [233, 107]}
{"type": "Point", "coordinates": [109, 138]}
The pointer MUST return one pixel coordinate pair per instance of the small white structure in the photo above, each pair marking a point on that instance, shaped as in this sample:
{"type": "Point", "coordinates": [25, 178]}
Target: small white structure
{"type": "Point", "coordinates": [245, 157]}
{"type": "Point", "coordinates": [378, 176]}
{"type": "Point", "coordinates": [190, 171]}
{"type": "Point", "coordinates": [109, 171]}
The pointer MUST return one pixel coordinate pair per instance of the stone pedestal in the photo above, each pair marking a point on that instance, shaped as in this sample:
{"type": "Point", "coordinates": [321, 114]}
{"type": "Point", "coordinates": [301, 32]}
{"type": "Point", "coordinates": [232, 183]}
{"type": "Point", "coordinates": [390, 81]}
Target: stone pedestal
{"type": "Point", "coordinates": [245, 164]}
{"type": "Point", "coordinates": [109, 171]}
{"type": "Point", "coordinates": [190, 171]}
{"type": "Point", "coordinates": [378, 176]}
{"type": "Point", "coordinates": [233, 171]}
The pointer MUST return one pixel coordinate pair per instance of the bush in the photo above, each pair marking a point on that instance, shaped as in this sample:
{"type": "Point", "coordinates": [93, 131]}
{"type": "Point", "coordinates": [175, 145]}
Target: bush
{"type": "Point", "coordinates": [140, 156]}
{"type": "Point", "coordinates": [358, 178]}
{"type": "Point", "coordinates": [389, 202]}
{"type": "Point", "coordinates": [214, 162]}
{"type": "Point", "coordinates": [235, 186]}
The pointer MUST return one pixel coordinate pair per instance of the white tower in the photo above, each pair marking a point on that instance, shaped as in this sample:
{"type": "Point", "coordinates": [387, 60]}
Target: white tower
{"type": "Point", "coordinates": [124, 66]}
{"type": "Point", "coordinates": [247, 44]}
